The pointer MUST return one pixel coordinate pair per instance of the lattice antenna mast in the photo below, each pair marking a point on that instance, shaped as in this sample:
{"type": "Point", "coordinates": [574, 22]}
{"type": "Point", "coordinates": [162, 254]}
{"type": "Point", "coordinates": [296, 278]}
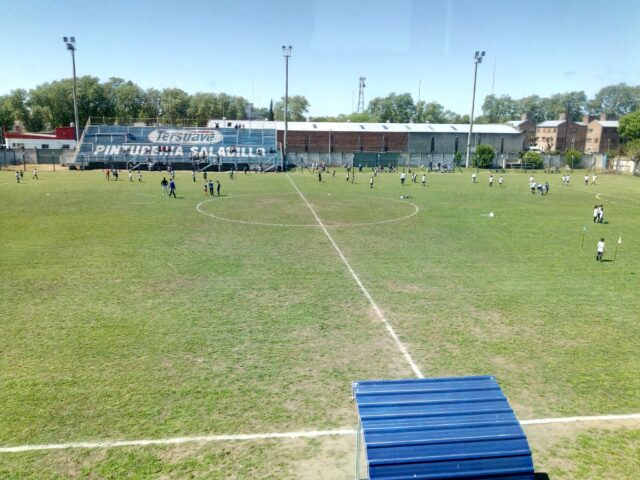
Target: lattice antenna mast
{"type": "Point", "coordinates": [361, 95]}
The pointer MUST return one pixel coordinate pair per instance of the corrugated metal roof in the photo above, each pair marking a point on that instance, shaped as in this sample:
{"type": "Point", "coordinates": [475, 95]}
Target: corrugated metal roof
{"type": "Point", "coordinates": [551, 123]}
{"type": "Point", "coordinates": [441, 428]}
{"type": "Point", "coordinates": [479, 128]}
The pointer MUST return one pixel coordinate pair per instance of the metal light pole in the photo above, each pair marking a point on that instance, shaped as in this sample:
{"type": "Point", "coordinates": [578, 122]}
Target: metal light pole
{"type": "Point", "coordinates": [286, 52]}
{"type": "Point", "coordinates": [71, 46]}
{"type": "Point", "coordinates": [478, 59]}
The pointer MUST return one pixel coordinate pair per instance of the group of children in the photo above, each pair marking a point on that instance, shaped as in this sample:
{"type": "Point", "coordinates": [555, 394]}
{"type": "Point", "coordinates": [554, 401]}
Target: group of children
{"type": "Point", "coordinates": [20, 175]}
{"type": "Point", "coordinates": [209, 188]}
{"type": "Point", "coordinates": [474, 179]}
{"type": "Point", "coordinates": [598, 213]}
{"type": "Point", "coordinates": [540, 188]}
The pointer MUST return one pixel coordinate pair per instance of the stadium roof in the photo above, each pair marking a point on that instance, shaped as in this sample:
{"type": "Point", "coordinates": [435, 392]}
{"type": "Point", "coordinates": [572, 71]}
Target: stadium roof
{"type": "Point", "coordinates": [441, 428]}
{"type": "Point", "coordinates": [374, 127]}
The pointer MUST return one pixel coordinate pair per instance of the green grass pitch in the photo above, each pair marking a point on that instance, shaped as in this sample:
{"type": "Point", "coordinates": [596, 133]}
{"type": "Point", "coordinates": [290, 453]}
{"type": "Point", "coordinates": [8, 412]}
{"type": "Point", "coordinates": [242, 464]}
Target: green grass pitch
{"type": "Point", "coordinates": [129, 315]}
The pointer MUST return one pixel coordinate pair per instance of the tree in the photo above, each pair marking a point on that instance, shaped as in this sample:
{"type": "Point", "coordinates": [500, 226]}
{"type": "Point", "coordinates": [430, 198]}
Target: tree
{"type": "Point", "coordinates": [632, 149]}
{"type": "Point", "coordinates": [533, 159]}
{"type": "Point", "coordinates": [174, 104]}
{"type": "Point", "coordinates": [16, 103]}
{"type": "Point", "coordinates": [571, 157]}
{"type": "Point", "coordinates": [297, 108]}
{"type": "Point", "coordinates": [127, 100]}
{"type": "Point", "coordinates": [202, 107]}
{"type": "Point", "coordinates": [483, 158]}
{"type": "Point", "coordinates": [557, 104]}
{"type": "Point", "coordinates": [150, 107]}
{"type": "Point", "coordinates": [271, 116]}
{"type": "Point", "coordinates": [392, 108]}
{"type": "Point", "coordinates": [6, 115]}
{"type": "Point", "coordinates": [433, 112]}
{"type": "Point", "coordinates": [533, 106]}
{"type": "Point", "coordinates": [499, 109]}
{"type": "Point", "coordinates": [617, 100]}
{"type": "Point", "coordinates": [629, 126]}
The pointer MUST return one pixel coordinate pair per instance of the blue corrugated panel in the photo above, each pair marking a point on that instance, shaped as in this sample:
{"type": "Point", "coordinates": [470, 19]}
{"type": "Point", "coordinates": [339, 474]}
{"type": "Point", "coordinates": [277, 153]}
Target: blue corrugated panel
{"type": "Point", "coordinates": [441, 428]}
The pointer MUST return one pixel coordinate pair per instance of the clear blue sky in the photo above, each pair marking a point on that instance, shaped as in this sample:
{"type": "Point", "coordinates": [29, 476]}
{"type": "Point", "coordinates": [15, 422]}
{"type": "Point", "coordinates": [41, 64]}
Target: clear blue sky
{"type": "Point", "coordinates": [234, 46]}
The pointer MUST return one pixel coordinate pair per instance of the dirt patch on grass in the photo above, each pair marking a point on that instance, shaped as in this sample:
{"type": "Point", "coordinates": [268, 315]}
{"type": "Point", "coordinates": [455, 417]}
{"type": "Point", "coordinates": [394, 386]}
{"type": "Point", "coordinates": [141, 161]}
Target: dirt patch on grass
{"type": "Point", "coordinates": [553, 443]}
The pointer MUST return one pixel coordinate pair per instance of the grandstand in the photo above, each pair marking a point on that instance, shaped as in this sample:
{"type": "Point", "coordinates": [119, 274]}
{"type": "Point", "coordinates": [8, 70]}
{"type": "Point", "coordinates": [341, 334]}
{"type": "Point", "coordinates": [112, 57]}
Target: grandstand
{"type": "Point", "coordinates": [234, 145]}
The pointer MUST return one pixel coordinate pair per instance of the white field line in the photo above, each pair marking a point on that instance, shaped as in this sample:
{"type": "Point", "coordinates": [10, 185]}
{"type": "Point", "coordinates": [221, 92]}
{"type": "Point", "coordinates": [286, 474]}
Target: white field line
{"type": "Point", "coordinates": [595, 418]}
{"type": "Point", "coordinates": [381, 316]}
{"type": "Point", "coordinates": [175, 440]}
{"type": "Point", "coordinates": [267, 436]}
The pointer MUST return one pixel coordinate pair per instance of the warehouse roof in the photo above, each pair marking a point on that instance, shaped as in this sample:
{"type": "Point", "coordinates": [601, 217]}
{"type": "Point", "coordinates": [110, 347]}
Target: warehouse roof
{"type": "Point", "coordinates": [373, 127]}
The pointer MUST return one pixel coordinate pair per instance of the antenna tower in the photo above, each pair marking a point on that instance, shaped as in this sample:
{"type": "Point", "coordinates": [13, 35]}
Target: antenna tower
{"type": "Point", "coordinates": [361, 95]}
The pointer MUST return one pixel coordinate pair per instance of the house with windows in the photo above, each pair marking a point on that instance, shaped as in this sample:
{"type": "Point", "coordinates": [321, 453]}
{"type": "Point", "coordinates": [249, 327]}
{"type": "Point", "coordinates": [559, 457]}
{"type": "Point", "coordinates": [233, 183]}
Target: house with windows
{"type": "Point", "coordinates": [560, 135]}
{"type": "Point", "coordinates": [602, 135]}
{"type": "Point", "coordinates": [62, 137]}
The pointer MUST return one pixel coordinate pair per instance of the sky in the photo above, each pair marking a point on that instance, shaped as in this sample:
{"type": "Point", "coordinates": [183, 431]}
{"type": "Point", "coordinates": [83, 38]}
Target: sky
{"type": "Point", "coordinates": [425, 48]}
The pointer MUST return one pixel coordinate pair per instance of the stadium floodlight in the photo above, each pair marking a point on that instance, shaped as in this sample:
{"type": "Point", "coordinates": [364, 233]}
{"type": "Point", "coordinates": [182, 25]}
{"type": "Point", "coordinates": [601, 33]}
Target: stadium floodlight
{"type": "Point", "coordinates": [286, 53]}
{"type": "Point", "coordinates": [477, 59]}
{"type": "Point", "coordinates": [71, 46]}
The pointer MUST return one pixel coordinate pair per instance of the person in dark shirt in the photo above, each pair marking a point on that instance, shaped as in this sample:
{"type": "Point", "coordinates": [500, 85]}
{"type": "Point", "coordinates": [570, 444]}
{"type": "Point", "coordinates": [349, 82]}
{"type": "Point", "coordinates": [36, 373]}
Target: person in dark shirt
{"type": "Point", "coordinates": [218, 187]}
{"type": "Point", "coordinates": [172, 188]}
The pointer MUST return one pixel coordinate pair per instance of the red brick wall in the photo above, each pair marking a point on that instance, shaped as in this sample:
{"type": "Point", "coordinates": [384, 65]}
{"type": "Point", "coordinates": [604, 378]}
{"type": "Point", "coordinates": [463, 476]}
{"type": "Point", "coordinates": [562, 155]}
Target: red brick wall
{"type": "Point", "coordinates": [344, 141]}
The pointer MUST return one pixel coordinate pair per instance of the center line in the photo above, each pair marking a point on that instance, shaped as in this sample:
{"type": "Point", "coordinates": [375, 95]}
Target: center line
{"type": "Point", "coordinates": [381, 316]}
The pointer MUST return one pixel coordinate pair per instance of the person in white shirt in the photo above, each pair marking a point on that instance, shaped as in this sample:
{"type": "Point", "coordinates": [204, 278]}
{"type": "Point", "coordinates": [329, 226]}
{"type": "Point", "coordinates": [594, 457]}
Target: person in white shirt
{"type": "Point", "coordinates": [600, 251]}
{"type": "Point", "coordinates": [501, 180]}
{"type": "Point", "coordinates": [593, 179]}
{"type": "Point", "coordinates": [586, 180]}
{"type": "Point", "coordinates": [596, 213]}
{"type": "Point", "coordinates": [473, 177]}
{"type": "Point", "coordinates": [403, 177]}
{"type": "Point", "coordinates": [491, 180]}
{"type": "Point", "coordinates": [424, 180]}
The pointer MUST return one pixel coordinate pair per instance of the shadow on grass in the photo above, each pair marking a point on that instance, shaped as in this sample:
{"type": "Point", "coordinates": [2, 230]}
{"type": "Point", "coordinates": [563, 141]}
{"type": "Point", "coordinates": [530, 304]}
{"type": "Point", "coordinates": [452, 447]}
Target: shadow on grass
{"type": "Point", "coordinates": [541, 476]}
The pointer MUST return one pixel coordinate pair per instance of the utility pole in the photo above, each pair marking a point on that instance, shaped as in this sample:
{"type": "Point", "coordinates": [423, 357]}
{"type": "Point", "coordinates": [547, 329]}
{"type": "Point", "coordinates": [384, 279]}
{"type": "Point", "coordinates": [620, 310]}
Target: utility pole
{"type": "Point", "coordinates": [286, 52]}
{"type": "Point", "coordinates": [361, 95]}
{"type": "Point", "coordinates": [71, 46]}
{"type": "Point", "coordinates": [477, 59]}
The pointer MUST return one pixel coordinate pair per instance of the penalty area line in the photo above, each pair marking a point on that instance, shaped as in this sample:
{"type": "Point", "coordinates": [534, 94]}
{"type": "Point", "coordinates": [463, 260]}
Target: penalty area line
{"type": "Point", "coordinates": [267, 436]}
{"type": "Point", "coordinates": [366, 293]}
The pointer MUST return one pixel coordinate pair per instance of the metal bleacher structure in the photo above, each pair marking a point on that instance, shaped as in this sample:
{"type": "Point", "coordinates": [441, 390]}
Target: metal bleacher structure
{"type": "Point", "coordinates": [439, 429]}
{"type": "Point", "coordinates": [232, 145]}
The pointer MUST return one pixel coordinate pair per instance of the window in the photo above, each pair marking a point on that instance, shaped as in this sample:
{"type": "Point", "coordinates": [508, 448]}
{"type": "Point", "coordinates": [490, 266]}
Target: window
{"type": "Point", "coordinates": [455, 146]}
{"type": "Point", "coordinates": [44, 145]}
{"type": "Point", "coordinates": [65, 146]}
{"type": "Point", "coordinates": [433, 145]}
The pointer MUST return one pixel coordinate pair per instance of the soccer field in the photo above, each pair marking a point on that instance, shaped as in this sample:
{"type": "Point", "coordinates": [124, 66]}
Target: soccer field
{"type": "Point", "coordinates": [128, 315]}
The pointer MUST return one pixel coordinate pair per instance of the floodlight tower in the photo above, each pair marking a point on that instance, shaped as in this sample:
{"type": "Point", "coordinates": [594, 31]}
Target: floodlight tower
{"type": "Point", "coordinates": [71, 46]}
{"type": "Point", "coordinates": [360, 108]}
{"type": "Point", "coordinates": [286, 53]}
{"type": "Point", "coordinates": [478, 59]}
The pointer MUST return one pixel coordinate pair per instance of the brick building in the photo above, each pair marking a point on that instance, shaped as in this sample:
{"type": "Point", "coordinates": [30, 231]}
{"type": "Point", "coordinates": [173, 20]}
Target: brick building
{"type": "Point", "coordinates": [560, 135]}
{"type": "Point", "coordinates": [602, 135]}
{"type": "Point", "coordinates": [528, 127]}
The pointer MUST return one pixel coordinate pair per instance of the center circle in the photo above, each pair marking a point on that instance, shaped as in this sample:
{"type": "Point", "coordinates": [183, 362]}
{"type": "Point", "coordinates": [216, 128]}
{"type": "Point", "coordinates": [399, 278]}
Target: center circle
{"type": "Point", "coordinates": [285, 210]}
